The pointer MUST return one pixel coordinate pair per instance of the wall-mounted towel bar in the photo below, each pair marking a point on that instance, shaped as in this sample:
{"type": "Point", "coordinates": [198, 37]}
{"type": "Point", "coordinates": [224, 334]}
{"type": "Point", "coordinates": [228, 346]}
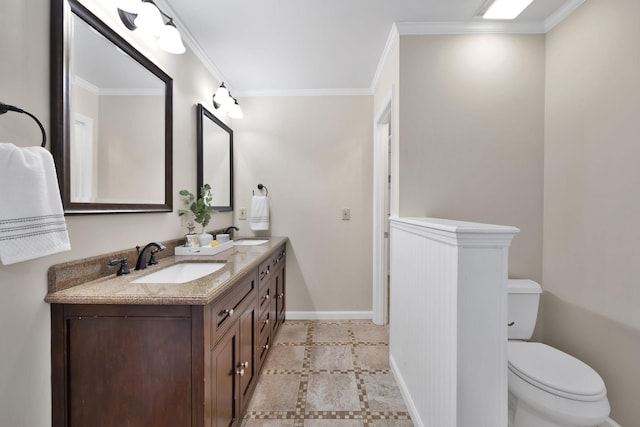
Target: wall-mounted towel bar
{"type": "Point", "coordinates": [6, 107]}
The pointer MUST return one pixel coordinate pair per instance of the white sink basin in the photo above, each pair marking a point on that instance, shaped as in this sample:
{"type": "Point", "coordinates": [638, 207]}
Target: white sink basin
{"type": "Point", "coordinates": [249, 242]}
{"type": "Point", "coordinates": [181, 272]}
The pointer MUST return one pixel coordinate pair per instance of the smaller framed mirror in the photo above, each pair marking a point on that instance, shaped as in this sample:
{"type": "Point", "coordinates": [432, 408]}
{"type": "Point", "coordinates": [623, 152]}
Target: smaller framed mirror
{"type": "Point", "coordinates": [215, 158]}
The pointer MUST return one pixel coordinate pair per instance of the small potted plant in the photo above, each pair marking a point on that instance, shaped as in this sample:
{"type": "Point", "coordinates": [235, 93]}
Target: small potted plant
{"type": "Point", "coordinates": [200, 210]}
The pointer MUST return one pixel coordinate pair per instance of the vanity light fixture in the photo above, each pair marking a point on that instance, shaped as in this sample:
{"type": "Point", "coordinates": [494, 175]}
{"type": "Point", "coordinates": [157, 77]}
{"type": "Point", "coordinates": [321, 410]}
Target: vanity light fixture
{"type": "Point", "coordinates": [225, 103]}
{"type": "Point", "coordinates": [146, 16]}
{"type": "Point", "coordinates": [504, 9]}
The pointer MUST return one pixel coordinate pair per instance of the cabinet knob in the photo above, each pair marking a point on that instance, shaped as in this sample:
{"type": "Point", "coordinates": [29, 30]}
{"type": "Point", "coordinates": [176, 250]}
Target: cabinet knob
{"type": "Point", "coordinates": [266, 346]}
{"type": "Point", "coordinates": [280, 296]}
{"type": "Point", "coordinates": [228, 312]}
{"type": "Point", "coordinates": [244, 365]}
{"type": "Point", "coordinates": [266, 297]}
{"type": "Point", "coordinates": [266, 322]}
{"type": "Point", "coordinates": [240, 372]}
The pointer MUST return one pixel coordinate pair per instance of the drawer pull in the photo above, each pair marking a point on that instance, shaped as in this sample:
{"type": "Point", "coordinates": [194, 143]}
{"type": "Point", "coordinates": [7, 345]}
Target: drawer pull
{"type": "Point", "coordinates": [266, 297]}
{"type": "Point", "coordinates": [280, 296]}
{"type": "Point", "coordinates": [266, 322]}
{"type": "Point", "coordinates": [228, 312]}
{"type": "Point", "coordinates": [240, 372]}
{"type": "Point", "coordinates": [266, 346]}
{"type": "Point", "coordinates": [244, 365]}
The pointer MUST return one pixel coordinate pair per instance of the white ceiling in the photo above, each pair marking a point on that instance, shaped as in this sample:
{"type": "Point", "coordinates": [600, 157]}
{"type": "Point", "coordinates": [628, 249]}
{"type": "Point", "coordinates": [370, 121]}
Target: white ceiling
{"type": "Point", "coordinates": [297, 46]}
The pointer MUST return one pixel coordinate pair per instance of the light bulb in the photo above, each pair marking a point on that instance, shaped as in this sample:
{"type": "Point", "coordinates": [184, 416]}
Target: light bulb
{"type": "Point", "coordinates": [170, 40]}
{"type": "Point", "coordinates": [149, 19]}
{"type": "Point", "coordinates": [222, 95]}
{"type": "Point", "coordinates": [235, 112]}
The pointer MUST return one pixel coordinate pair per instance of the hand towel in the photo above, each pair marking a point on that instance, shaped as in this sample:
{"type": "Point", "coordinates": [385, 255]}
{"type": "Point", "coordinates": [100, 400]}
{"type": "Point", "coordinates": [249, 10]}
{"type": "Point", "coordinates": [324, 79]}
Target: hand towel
{"type": "Point", "coordinates": [32, 223]}
{"type": "Point", "coordinates": [259, 213]}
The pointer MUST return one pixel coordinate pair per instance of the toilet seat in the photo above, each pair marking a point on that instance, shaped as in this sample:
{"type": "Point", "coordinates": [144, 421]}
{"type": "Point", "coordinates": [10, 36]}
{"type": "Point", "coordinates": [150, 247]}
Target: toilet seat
{"type": "Point", "coordinates": [555, 372]}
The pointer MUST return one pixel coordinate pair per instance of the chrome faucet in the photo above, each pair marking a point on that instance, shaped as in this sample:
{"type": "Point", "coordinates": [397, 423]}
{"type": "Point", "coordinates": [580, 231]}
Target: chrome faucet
{"type": "Point", "coordinates": [141, 264]}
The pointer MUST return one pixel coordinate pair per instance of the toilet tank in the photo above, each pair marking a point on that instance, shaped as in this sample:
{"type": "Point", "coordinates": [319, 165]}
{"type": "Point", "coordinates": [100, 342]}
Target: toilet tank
{"type": "Point", "coordinates": [523, 301]}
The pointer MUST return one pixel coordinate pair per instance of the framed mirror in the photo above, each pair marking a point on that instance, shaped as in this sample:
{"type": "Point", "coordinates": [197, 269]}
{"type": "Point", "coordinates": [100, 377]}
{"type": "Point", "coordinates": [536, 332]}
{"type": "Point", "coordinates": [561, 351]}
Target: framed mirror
{"type": "Point", "coordinates": [215, 158]}
{"type": "Point", "coordinates": [111, 112]}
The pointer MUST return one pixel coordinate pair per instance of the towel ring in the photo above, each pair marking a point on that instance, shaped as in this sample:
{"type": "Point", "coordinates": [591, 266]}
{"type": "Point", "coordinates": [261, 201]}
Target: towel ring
{"type": "Point", "coordinates": [5, 108]}
{"type": "Point", "coordinates": [263, 187]}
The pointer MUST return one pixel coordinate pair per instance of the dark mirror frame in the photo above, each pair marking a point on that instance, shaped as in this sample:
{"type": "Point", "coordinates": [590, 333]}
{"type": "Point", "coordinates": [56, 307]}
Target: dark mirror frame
{"type": "Point", "coordinates": [202, 115]}
{"type": "Point", "coordinates": [61, 11]}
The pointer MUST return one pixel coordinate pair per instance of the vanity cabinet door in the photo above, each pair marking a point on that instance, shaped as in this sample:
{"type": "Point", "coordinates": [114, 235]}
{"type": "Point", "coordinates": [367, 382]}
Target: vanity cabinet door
{"type": "Point", "coordinates": [115, 363]}
{"type": "Point", "coordinates": [225, 399]}
{"type": "Point", "coordinates": [247, 363]}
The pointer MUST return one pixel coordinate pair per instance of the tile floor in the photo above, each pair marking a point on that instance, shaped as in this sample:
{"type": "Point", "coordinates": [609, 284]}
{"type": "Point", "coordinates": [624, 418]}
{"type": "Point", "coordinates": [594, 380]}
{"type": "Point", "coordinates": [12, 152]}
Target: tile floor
{"type": "Point", "coordinates": [328, 374]}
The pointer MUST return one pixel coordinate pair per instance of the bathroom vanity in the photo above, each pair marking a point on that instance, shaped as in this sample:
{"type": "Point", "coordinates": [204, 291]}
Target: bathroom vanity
{"type": "Point", "coordinates": [172, 354]}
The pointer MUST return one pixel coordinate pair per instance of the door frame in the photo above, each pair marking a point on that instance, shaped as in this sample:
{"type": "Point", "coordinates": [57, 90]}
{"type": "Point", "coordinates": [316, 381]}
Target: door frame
{"type": "Point", "coordinates": [381, 169]}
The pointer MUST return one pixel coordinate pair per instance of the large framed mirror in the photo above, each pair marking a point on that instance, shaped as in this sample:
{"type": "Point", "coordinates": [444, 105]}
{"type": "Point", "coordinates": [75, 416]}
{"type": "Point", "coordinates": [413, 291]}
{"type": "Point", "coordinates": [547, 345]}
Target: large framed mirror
{"type": "Point", "coordinates": [111, 112]}
{"type": "Point", "coordinates": [215, 158]}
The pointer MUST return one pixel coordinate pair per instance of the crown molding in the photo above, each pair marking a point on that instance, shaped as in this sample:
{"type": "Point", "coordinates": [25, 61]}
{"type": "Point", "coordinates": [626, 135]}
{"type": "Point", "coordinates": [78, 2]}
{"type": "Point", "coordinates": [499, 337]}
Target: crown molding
{"type": "Point", "coordinates": [392, 39]}
{"type": "Point", "coordinates": [476, 27]}
{"type": "Point", "coordinates": [561, 14]}
{"type": "Point", "coordinates": [306, 92]}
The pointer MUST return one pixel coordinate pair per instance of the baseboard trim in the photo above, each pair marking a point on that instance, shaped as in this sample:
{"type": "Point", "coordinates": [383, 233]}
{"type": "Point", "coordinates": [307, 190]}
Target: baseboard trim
{"type": "Point", "coordinates": [329, 315]}
{"type": "Point", "coordinates": [408, 400]}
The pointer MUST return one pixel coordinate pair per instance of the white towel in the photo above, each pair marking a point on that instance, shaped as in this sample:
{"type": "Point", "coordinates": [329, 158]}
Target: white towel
{"type": "Point", "coordinates": [259, 213]}
{"type": "Point", "coordinates": [32, 221]}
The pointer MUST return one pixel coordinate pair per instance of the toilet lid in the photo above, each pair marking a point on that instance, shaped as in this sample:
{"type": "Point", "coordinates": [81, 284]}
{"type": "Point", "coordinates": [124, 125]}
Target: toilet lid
{"type": "Point", "coordinates": [554, 371]}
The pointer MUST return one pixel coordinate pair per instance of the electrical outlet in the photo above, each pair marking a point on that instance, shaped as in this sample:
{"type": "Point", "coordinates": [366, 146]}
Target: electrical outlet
{"type": "Point", "coordinates": [243, 213]}
{"type": "Point", "coordinates": [346, 214]}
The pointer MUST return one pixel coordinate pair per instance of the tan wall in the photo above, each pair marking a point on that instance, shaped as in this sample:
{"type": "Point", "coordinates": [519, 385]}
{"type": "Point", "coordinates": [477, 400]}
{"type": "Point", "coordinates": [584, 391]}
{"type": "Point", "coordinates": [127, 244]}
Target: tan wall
{"type": "Point", "coordinates": [471, 134]}
{"type": "Point", "coordinates": [314, 154]}
{"type": "Point", "coordinates": [592, 202]}
{"type": "Point", "coordinates": [25, 389]}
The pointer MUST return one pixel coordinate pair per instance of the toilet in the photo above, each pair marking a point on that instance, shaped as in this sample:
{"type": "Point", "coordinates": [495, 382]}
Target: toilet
{"type": "Point", "coordinates": [547, 387]}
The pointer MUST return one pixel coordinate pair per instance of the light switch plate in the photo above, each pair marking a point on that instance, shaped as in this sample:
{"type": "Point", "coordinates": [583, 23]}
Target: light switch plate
{"type": "Point", "coordinates": [346, 214]}
{"type": "Point", "coordinates": [242, 213]}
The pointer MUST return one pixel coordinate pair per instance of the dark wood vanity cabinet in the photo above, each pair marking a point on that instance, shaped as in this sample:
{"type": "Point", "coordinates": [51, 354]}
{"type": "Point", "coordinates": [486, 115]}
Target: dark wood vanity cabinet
{"type": "Point", "coordinates": [165, 365]}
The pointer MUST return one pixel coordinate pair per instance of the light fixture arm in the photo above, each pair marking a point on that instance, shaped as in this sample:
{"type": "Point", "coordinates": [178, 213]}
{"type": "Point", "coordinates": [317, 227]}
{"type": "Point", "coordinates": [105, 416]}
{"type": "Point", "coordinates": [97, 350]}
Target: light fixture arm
{"type": "Point", "coordinates": [128, 18]}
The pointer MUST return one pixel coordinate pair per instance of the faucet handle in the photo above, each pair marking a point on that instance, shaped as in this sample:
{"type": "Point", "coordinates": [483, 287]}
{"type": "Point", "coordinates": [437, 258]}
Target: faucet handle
{"type": "Point", "coordinates": [124, 268]}
{"type": "Point", "coordinates": [153, 260]}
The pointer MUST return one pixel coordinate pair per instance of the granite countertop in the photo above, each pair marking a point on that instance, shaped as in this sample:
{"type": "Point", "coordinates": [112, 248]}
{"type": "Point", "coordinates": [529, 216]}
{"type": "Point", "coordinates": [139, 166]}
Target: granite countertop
{"type": "Point", "coordinates": [112, 289]}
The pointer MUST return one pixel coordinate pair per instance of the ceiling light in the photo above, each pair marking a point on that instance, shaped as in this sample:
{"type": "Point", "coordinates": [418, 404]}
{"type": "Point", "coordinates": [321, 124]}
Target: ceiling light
{"type": "Point", "coordinates": [149, 19]}
{"type": "Point", "coordinates": [235, 112]}
{"type": "Point", "coordinates": [505, 9]}
{"type": "Point", "coordinates": [170, 39]}
{"type": "Point", "coordinates": [146, 16]}
{"type": "Point", "coordinates": [221, 96]}
{"type": "Point", "coordinates": [224, 103]}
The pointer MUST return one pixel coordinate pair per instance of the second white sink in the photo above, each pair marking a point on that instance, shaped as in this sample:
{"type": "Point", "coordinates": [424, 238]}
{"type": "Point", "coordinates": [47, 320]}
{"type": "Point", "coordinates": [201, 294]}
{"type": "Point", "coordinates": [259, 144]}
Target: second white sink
{"type": "Point", "coordinates": [249, 242]}
{"type": "Point", "coordinates": [181, 272]}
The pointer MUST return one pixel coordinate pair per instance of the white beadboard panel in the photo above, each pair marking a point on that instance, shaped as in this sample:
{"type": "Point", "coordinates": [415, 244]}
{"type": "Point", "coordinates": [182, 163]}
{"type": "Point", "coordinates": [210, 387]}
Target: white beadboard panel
{"type": "Point", "coordinates": [448, 320]}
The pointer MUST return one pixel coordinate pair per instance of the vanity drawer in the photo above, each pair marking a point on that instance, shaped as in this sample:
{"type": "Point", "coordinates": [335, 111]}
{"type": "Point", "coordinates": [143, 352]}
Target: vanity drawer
{"type": "Point", "coordinates": [264, 296]}
{"type": "Point", "coordinates": [263, 325]}
{"type": "Point", "coordinates": [264, 272]}
{"type": "Point", "coordinates": [230, 305]}
{"type": "Point", "coordinates": [263, 349]}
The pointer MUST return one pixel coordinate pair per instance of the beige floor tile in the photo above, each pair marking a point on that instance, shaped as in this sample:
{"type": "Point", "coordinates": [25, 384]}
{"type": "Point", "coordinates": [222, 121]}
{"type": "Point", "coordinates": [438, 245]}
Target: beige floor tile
{"type": "Point", "coordinates": [333, 423]}
{"type": "Point", "coordinates": [368, 332]}
{"type": "Point", "coordinates": [268, 423]}
{"type": "Point", "coordinates": [392, 423]}
{"type": "Point", "coordinates": [373, 357]}
{"type": "Point", "coordinates": [332, 392]}
{"type": "Point", "coordinates": [285, 357]}
{"type": "Point", "coordinates": [292, 333]}
{"type": "Point", "coordinates": [383, 393]}
{"type": "Point", "coordinates": [275, 393]}
{"type": "Point", "coordinates": [331, 357]}
{"type": "Point", "coordinates": [331, 333]}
